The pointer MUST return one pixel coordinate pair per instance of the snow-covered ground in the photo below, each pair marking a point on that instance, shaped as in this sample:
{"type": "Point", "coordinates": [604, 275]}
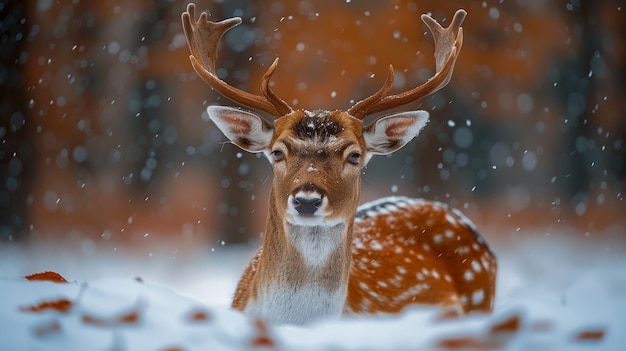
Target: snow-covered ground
{"type": "Point", "coordinates": [554, 293]}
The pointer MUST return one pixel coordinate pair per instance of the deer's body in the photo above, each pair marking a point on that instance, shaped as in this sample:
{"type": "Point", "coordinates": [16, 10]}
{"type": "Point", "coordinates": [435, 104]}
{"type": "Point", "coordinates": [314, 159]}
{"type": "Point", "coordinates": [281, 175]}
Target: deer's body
{"type": "Point", "coordinates": [404, 252]}
{"type": "Point", "coordinates": [420, 252]}
{"type": "Point", "coordinates": [320, 255]}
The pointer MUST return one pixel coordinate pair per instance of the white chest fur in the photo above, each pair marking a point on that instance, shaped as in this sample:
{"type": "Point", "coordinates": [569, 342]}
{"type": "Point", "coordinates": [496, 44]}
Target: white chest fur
{"type": "Point", "coordinates": [316, 290]}
{"type": "Point", "coordinates": [298, 305]}
{"type": "Point", "coordinates": [316, 243]}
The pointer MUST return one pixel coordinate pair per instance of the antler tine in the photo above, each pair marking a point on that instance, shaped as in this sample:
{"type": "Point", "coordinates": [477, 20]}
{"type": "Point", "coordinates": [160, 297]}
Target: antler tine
{"type": "Point", "coordinates": [364, 105]}
{"type": "Point", "coordinates": [203, 37]}
{"type": "Point", "coordinates": [269, 94]}
{"type": "Point", "coordinates": [448, 42]}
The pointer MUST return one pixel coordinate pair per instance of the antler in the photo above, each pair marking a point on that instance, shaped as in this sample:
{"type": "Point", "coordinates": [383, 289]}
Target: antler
{"type": "Point", "coordinates": [448, 42]}
{"type": "Point", "coordinates": [203, 37]}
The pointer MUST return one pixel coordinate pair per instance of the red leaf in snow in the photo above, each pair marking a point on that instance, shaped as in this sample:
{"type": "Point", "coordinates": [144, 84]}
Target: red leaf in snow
{"type": "Point", "coordinates": [47, 276]}
{"type": "Point", "coordinates": [469, 343]}
{"type": "Point", "coordinates": [262, 339]}
{"type": "Point", "coordinates": [131, 317]}
{"type": "Point", "coordinates": [590, 335]}
{"type": "Point", "coordinates": [48, 328]}
{"type": "Point", "coordinates": [511, 324]}
{"type": "Point", "coordinates": [497, 338]}
{"type": "Point", "coordinates": [197, 315]}
{"type": "Point", "coordinates": [60, 305]}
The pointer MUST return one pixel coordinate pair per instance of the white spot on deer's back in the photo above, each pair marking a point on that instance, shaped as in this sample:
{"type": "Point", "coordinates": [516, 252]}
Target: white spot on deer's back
{"type": "Point", "coordinates": [451, 219]}
{"type": "Point", "coordinates": [462, 250]}
{"type": "Point", "coordinates": [485, 262]}
{"type": "Point", "coordinates": [412, 291]}
{"type": "Point", "coordinates": [375, 245]}
{"type": "Point", "coordinates": [468, 275]}
{"type": "Point", "coordinates": [437, 238]}
{"type": "Point", "coordinates": [396, 281]}
{"type": "Point", "coordinates": [476, 266]}
{"type": "Point", "coordinates": [478, 297]}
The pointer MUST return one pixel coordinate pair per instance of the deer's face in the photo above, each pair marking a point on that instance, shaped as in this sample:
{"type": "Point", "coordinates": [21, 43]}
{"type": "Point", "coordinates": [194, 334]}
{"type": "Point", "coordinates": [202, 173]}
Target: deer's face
{"type": "Point", "coordinates": [317, 157]}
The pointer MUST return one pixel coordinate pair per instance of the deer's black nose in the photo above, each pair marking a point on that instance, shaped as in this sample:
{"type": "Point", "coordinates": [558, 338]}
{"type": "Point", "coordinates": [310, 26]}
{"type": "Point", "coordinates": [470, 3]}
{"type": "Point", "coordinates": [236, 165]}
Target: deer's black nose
{"type": "Point", "coordinates": [307, 206]}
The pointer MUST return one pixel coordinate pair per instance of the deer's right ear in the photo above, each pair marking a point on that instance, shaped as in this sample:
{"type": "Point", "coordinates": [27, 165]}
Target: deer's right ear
{"type": "Point", "coordinates": [245, 129]}
{"type": "Point", "coordinates": [389, 133]}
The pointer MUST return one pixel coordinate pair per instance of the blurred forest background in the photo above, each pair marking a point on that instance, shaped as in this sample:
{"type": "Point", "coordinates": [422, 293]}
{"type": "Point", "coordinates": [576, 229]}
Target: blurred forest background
{"type": "Point", "coordinates": [105, 139]}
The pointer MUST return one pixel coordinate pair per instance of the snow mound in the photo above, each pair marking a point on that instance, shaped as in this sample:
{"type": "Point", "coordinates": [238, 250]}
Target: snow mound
{"type": "Point", "coordinates": [129, 314]}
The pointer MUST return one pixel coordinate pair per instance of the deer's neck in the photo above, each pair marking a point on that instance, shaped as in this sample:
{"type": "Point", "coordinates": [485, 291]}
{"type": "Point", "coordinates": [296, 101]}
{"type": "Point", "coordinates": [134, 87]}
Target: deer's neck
{"type": "Point", "coordinates": [303, 272]}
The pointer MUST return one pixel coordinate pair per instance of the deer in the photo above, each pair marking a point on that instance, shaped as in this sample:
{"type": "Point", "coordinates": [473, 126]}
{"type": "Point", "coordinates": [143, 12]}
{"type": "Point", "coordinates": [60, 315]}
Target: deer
{"type": "Point", "coordinates": [322, 255]}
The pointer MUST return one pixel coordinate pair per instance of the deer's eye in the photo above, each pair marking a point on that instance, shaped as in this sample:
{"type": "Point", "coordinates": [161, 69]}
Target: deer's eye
{"type": "Point", "coordinates": [354, 158]}
{"type": "Point", "coordinates": [278, 155]}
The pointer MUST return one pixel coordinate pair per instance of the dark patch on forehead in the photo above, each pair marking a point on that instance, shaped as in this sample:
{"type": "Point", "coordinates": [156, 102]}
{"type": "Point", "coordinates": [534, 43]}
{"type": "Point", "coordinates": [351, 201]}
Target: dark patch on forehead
{"type": "Point", "coordinates": [318, 125]}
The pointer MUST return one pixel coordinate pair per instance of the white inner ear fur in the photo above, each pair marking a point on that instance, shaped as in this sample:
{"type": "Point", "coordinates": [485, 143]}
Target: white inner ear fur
{"type": "Point", "coordinates": [245, 129]}
{"type": "Point", "coordinates": [389, 133]}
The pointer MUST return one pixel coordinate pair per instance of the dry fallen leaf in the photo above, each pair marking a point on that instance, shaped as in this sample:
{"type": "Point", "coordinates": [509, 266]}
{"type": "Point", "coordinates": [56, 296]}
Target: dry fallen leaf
{"type": "Point", "coordinates": [197, 315]}
{"type": "Point", "coordinates": [60, 305]}
{"type": "Point", "coordinates": [262, 338]}
{"type": "Point", "coordinates": [48, 276]}
{"type": "Point", "coordinates": [590, 335]}
{"type": "Point", "coordinates": [469, 343]}
{"type": "Point", "coordinates": [511, 324]}
{"type": "Point", "coordinates": [131, 317]}
{"type": "Point", "coordinates": [47, 328]}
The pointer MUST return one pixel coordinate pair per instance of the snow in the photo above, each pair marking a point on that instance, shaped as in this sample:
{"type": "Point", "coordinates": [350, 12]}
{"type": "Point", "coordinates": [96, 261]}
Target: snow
{"type": "Point", "coordinates": [552, 291]}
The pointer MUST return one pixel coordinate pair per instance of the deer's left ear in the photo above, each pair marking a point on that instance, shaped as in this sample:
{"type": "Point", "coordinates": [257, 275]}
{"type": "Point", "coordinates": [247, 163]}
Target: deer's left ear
{"type": "Point", "coordinates": [389, 133]}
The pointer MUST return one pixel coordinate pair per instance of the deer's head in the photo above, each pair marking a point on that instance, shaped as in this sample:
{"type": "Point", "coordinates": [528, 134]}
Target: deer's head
{"type": "Point", "coordinates": [317, 156]}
